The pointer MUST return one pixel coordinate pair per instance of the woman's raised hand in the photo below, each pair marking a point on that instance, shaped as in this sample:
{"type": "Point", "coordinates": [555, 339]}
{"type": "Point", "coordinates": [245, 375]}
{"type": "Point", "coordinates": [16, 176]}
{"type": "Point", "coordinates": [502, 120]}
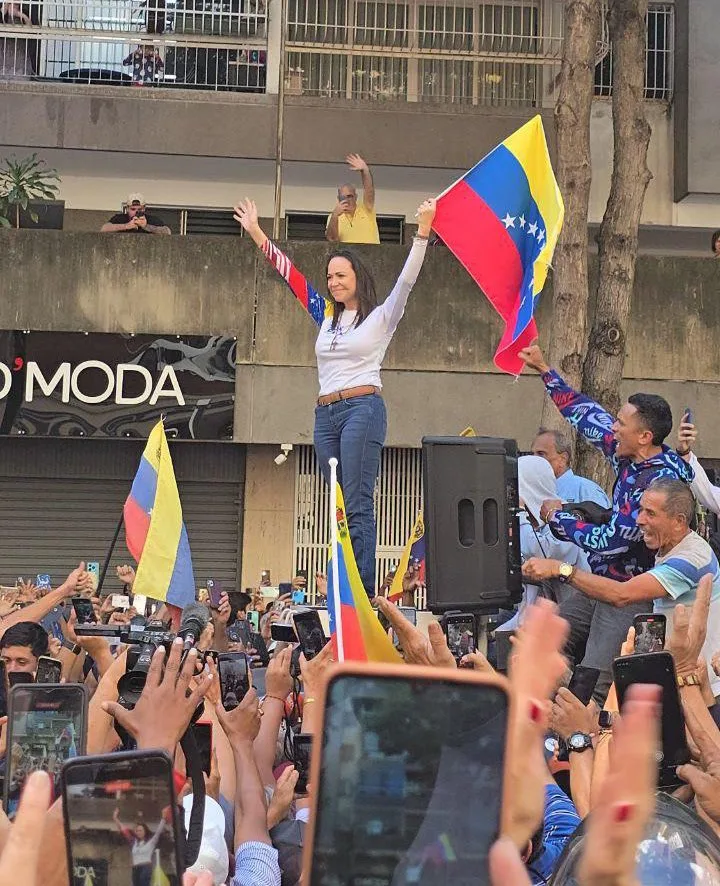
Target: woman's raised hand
{"type": "Point", "coordinates": [425, 215]}
{"type": "Point", "coordinates": [246, 215]}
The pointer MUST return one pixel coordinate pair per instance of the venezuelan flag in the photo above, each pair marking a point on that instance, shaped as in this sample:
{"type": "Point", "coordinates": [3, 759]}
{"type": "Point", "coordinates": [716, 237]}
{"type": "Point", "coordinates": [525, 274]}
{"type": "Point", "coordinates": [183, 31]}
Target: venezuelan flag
{"type": "Point", "coordinates": [355, 630]}
{"type": "Point", "coordinates": [502, 220]}
{"type": "Point", "coordinates": [154, 530]}
{"type": "Point", "coordinates": [415, 551]}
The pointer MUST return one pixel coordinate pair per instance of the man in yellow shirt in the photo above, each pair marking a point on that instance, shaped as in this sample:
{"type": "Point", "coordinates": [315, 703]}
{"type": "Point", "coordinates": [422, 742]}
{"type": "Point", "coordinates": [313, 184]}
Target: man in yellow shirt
{"type": "Point", "coordinates": [351, 222]}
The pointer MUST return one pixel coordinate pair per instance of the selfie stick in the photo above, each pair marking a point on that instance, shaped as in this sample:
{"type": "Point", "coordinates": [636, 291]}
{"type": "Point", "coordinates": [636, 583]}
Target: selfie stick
{"type": "Point", "coordinates": [335, 568]}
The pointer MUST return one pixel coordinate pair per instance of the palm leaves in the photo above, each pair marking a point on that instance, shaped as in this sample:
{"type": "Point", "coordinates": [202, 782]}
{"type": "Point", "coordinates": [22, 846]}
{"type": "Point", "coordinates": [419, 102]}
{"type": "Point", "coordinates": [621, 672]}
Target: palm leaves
{"type": "Point", "coordinates": [22, 181]}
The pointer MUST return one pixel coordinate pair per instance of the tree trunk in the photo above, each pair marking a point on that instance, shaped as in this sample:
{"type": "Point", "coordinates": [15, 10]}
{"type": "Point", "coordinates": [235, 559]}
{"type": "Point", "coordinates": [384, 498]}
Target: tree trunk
{"type": "Point", "coordinates": [574, 174]}
{"type": "Point", "coordinates": [618, 238]}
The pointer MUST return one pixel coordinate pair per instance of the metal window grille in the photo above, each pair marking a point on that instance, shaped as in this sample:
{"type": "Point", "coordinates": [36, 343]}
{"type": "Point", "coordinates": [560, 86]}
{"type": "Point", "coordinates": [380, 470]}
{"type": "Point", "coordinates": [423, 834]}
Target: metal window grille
{"type": "Point", "coordinates": [311, 226]}
{"type": "Point", "coordinates": [457, 52]}
{"type": "Point", "coordinates": [659, 54]}
{"type": "Point", "coordinates": [398, 498]}
{"type": "Point", "coordinates": [209, 44]}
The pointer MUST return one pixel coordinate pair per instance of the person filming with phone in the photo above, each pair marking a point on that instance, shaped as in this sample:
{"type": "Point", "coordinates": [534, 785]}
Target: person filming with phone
{"type": "Point", "coordinates": [134, 219]}
{"type": "Point", "coordinates": [350, 221]}
{"type": "Point", "coordinates": [682, 559]}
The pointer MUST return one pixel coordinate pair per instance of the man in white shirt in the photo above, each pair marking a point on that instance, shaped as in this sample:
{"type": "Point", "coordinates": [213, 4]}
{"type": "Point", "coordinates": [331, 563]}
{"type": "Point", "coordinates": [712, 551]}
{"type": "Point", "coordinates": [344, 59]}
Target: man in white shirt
{"type": "Point", "coordinates": [683, 558]}
{"type": "Point", "coordinates": [555, 448]}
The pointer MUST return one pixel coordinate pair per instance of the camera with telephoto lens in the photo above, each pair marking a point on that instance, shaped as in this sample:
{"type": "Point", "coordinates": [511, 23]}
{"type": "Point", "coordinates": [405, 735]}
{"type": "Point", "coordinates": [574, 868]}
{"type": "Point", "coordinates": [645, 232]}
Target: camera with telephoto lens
{"type": "Point", "coordinates": [142, 639]}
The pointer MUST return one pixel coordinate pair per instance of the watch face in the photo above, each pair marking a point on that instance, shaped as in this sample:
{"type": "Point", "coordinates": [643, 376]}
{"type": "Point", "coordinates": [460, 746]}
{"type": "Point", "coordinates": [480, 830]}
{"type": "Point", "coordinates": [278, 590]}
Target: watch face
{"type": "Point", "coordinates": [577, 740]}
{"type": "Point", "coordinates": [565, 570]}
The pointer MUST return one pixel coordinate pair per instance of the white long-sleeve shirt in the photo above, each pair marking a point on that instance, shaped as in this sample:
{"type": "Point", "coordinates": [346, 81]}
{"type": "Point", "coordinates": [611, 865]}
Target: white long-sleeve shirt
{"type": "Point", "coordinates": [703, 490]}
{"type": "Point", "coordinates": [350, 356]}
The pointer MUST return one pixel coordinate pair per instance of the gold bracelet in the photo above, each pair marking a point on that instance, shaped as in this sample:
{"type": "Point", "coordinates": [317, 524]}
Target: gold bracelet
{"type": "Point", "coordinates": [308, 701]}
{"type": "Point", "coordinates": [276, 697]}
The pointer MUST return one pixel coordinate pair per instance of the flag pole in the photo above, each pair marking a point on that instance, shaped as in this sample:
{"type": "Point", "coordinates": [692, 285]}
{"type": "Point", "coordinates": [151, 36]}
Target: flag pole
{"type": "Point", "coordinates": [106, 564]}
{"type": "Point", "coordinates": [335, 566]}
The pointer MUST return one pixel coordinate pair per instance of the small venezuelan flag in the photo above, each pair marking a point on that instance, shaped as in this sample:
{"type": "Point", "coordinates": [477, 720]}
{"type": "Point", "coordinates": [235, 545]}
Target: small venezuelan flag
{"type": "Point", "coordinates": [154, 530]}
{"type": "Point", "coordinates": [415, 552]}
{"type": "Point", "coordinates": [502, 221]}
{"type": "Point", "coordinates": [356, 632]}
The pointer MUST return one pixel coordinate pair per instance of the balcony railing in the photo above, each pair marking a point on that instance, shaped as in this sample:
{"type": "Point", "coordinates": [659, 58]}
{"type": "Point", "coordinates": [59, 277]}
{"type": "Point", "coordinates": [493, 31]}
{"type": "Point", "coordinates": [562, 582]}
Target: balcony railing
{"type": "Point", "coordinates": [208, 44]}
{"type": "Point", "coordinates": [472, 52]}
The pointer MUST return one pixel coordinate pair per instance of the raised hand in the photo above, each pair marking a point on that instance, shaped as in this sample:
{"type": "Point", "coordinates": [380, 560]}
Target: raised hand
{"type": "Point", "coordinates": [356, 163]}
{"type": "Point", "coordinates": [425, 215]}
{"type": "Point", "coordinates": [533, 357]}
{"type": "Point", "coordinates": [246, 215]}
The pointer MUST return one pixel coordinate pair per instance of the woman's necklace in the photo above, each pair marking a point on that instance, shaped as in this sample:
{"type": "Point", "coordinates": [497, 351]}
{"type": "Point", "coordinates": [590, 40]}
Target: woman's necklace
{"type": "Point", "coordinates": [338, 333]}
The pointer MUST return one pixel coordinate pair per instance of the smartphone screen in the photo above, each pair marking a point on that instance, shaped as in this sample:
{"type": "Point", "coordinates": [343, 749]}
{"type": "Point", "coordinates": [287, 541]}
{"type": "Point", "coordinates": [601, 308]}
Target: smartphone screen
{"type": "Point", "coordinates": [239, 632]}
{"type": "Point", "coordinates": [658, 668]}
{"type": "Point", "coordinates": [302, 746]}
{"type": "Point", "coordinates": [410, 613]}
{"type": "Point", "coordinates": [298, 597]}
{"type": "Point", "coordinates": [84, 611]}
{"type": "Point", "coordinates": [582, 683]}
{"type": "Point", "coordinates": [310, 634]}
{"type": "Point", "coordinates": [258, 644]}
{"type": "Point", "coordinates": [203, 738]}
{"type": "Point", "coordinates": [120, 601]}
{"type": "Point", "coordinates": [121, 819]}
{"type": "Point", "coordinates": [214, 589]}
{"type": "Point", "coordinates": [283, 633]}
{"type": "Point", "coordinates": [48, 670]}
{"type": "Point", "coordinates": [234, 681]}
{"type": "Point", "coordinates": [397, 754]}
{"type": "Point", "coordinates": [460, 634]}
{"type": "Point", "coordinates": [254, 619]}
{"type": "Point", "coordinates": [649, 633]}
{"type": "Point", "coordinates": [47, 725]}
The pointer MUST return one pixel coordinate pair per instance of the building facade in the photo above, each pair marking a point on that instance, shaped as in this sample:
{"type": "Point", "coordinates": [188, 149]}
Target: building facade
{"type": "Point", "coordinates": [189, 103]}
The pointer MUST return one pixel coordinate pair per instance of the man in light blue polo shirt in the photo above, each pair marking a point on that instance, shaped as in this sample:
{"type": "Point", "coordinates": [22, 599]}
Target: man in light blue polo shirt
{"type": "Point", "coordinates": [682, 559]}
{"type": "Point", "coordinates": [556, 449]}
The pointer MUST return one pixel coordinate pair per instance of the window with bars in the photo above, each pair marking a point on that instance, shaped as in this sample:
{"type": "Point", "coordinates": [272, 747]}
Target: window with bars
{"type": "Point", "coordinates": [659, 52]}
{"type": "Point", "coordinates": [398, 500]}
{"type": "Point", "coordinates": [425, 52]}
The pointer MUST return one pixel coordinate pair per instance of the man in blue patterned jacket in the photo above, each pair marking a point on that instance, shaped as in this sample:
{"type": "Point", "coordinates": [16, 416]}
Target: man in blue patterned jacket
{"type": "Point", "coordinates": [634, 445]}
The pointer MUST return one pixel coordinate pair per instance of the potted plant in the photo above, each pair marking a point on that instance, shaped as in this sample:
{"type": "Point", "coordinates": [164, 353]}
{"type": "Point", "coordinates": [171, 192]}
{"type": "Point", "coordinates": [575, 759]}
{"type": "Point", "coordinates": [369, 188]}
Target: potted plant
{"type": "Point", "coordinates": [26, 186]}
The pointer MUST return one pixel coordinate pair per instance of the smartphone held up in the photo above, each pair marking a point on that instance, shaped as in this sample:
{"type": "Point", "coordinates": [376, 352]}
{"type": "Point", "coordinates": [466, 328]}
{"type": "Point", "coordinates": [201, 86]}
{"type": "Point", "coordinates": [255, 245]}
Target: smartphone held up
{"type": "Point", "coordinates": [401, 776]}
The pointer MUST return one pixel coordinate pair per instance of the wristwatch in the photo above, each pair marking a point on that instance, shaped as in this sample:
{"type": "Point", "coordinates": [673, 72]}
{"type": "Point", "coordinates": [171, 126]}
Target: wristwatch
{"type": "Point", "coordinates": [688, 680]}
{"type": "Point", "coordinates": [75, 648]}
{"type": "Point", "coordinates": [579, 742]}
{"type": "Point", "coordinates": [605, 721]}
{"type": "Point", "coordinates": [565, 572]}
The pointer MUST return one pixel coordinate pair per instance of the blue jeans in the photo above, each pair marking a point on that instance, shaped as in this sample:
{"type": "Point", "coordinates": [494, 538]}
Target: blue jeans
{"type": "Point", "coordinates": [353, 431]}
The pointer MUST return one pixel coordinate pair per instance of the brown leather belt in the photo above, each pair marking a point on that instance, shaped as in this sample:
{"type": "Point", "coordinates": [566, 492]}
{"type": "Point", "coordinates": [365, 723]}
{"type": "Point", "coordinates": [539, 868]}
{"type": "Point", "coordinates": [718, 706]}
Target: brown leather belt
{"type": "Point", "coordinates": [337, 396]}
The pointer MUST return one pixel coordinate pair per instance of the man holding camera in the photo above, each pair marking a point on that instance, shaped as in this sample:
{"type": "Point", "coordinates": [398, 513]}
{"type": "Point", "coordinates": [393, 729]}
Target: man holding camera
{"type": "Point", "coordinates": [350, 222]}
{"type": "Point", "coordinates": [134, 220]}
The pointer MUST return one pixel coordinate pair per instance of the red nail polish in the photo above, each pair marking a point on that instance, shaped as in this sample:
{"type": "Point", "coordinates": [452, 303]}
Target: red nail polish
{"type": "Point", "coordinates": [535, 712]}
{"type": "Point", "coordinates": [623, 812]}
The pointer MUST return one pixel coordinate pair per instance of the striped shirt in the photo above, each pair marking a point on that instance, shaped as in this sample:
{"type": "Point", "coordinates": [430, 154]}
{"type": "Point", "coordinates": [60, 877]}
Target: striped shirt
{"type": "Point", "coordinates": [679, 572]}
{"type": "Point", "coordinates": [256, 864]}
{"type": "Point", "coordinates": [560, 821]}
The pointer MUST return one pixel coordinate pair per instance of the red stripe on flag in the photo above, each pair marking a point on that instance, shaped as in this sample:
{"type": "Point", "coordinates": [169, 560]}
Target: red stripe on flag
{"type": "Point", "coordinates": [353, 640]}
{"type": "Point", "coordinates": [506, 356]}
{"type": "Point", "coordinates": [137, 523]}
{"type": "Point", "coordinates": [481, 243]}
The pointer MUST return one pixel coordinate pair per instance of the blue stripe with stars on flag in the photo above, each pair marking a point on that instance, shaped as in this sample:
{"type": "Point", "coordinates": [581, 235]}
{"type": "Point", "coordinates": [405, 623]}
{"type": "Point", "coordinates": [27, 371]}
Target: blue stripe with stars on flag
{"type": "Point", "coordinates": [500, 181]}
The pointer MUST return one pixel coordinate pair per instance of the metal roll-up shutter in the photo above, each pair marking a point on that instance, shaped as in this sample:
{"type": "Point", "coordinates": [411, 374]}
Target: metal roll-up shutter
{"type": "Point", "coordinates": [49, 523]}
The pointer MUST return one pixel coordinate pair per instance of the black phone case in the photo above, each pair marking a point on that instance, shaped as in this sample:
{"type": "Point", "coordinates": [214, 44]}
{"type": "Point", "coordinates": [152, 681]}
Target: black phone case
{"type": "Point", "coordinates": [658, 668]}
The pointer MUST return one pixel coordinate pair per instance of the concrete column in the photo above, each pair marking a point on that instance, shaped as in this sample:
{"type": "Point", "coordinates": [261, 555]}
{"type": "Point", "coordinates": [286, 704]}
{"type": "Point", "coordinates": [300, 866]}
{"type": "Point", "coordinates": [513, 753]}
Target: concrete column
{"type": "Point", "coordinates": [268, 537]}
{"type": "Point", "coordinates": [273, 47]}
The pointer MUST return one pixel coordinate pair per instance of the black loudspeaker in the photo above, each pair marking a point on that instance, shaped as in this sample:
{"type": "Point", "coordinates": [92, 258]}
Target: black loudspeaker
{"type": "Point", "coordinates": [471, 526]}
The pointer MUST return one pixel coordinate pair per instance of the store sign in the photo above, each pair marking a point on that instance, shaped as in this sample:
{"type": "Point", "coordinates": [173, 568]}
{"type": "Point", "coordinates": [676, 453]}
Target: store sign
{"type": "Point", "coordinates": [111, 385]}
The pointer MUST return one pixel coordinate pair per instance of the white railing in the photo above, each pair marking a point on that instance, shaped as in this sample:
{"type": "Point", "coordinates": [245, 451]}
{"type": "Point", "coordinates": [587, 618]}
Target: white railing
{"type": "Point", "coordinates": [211, 44]}
{"type": "Point", "coordinates": [398, 498]}
{"type": "Point", "coordinates": [472, 52]}
{"type": "Point", "coordinates": [451, 51]}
